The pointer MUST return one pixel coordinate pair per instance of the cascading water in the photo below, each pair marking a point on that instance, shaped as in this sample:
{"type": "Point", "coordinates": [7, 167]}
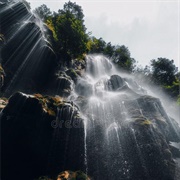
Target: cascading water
{"type": "Point", "coordinates": [26, 55]}
{"type": "Point", "coordinates": [127, 131]}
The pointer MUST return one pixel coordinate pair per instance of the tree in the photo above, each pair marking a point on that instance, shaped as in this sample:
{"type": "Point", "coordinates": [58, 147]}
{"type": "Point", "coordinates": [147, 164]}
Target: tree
{"type": "Point", "coordinates": [69, 31]}
{"type": "Point", "coordinates": [165, 74]}
{"type": "Point", "coordinates": [74, 9]}
{"type": "Point", "coordinates": [122, 58]}
{"type": "Point", "coordinates": [96, 45]}
{"type": "Point", "coordinates": [163, 71]}
{"type": "Point", "coordinates": [43, 12]}
{"type": "Point", "coordinates": [109, 50]}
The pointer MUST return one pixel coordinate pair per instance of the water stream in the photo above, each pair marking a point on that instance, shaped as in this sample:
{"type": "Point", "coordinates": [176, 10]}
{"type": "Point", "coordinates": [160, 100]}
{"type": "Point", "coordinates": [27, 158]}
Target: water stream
{"type": "Point", "coordinates": [123, 123]}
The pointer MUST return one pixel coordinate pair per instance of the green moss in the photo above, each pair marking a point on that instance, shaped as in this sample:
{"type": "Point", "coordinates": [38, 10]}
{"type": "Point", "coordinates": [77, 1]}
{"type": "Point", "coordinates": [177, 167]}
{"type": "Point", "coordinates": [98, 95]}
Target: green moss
{"type": "Point", "coordinates": [142, 121]}
{"type": "Point", "coordinates": [70, 175]}
{"type": "Point", "coordinates": [1, 70]}
{"type": "Point", "coordinates": [49, 103]}
{"type": "Point", "coordinates": [146, 122]}
{"type": "Point", "coordinates": [77, 116]}
{"type": "Point", "coordinates": [3, 102]}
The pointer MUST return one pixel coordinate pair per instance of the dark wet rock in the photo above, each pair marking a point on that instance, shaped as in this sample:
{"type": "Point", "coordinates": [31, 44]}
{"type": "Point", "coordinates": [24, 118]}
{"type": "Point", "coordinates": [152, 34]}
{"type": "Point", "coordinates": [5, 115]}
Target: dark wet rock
{"type": "Point", "coordinates": [74, 74]}
{"type": "Point", "coordinates": [152, 150]}
{"type": "Point", "coordinates": [115, 82]}
{"type": "Point", "coordinates": [11, 15]}
{"type": "Point", "coordinates": [142, 149]}
{"type": "Point", "coordinates": [27, 58]}
{"type": "Point", "coordinates": [44, 178]}
{"type": "Point", "coordinates": [40, 135]}
{"type": "Point", "coordinates": [175, 151]}
{"type": "Point", "coordinates": [61, 84]}
{"type": "Point", "coordinates": [154, 111]}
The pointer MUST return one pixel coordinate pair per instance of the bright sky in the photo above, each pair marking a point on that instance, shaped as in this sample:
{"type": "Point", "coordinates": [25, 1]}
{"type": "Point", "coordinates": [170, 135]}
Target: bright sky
{"type": "Point", "coordinates": [149, 28]}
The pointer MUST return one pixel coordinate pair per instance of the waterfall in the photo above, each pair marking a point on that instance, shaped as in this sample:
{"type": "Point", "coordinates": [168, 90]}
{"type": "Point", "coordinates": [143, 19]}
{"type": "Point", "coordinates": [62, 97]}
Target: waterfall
{"type": "Point", "coordinates": [125, 127]}
{"type": "Point", "coordinates": [100, 120]}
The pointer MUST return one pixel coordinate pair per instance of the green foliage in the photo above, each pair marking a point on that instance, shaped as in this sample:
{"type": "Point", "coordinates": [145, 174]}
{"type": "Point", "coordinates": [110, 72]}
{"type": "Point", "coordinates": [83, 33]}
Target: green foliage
{"type": "Point", "coordinates": [96, 45]}
{"type": "Point", "coordinates": [122, 58]}
{"type": "Point", "coordinates": [164, 74]}
{"type": "Point", "coordinates": [163, 71]}
{"type": "Point", "coordinates": [69, 31]}
{"type": "Point", "coordinates": [173, 89]}
{"type": "Point", "coordinates": [74, 9]}
{"type": "Point", "coordinates": [109, 50]}
{"type": "Point", "coordinates": [72, 41]}
{"type": "Point", "coordinates": [43, 12]}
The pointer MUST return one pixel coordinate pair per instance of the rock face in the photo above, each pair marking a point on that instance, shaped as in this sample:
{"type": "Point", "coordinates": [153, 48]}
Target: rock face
{"type": "Point", "coordinates": [128, 132]}
{"type": "Point", "coordinates": [27, 59]}
{"type": "Point", "coordinates": [40, 135]}
{"type": "Point", "coordinates": [133, 147]}
{"type": "Point", "coordinates": [61, 84]}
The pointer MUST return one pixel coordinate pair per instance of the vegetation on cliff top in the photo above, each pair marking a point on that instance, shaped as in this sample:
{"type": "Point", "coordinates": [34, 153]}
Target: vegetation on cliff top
{"type": "Point", "coordinates": [71, 41]}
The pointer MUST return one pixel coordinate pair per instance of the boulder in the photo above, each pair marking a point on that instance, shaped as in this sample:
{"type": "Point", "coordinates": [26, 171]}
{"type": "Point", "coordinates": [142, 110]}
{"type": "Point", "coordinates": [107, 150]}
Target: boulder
{"type": "Point", "coordinates": [115, 83]}
{"type": "Point", "coordinates": [40, 135]}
